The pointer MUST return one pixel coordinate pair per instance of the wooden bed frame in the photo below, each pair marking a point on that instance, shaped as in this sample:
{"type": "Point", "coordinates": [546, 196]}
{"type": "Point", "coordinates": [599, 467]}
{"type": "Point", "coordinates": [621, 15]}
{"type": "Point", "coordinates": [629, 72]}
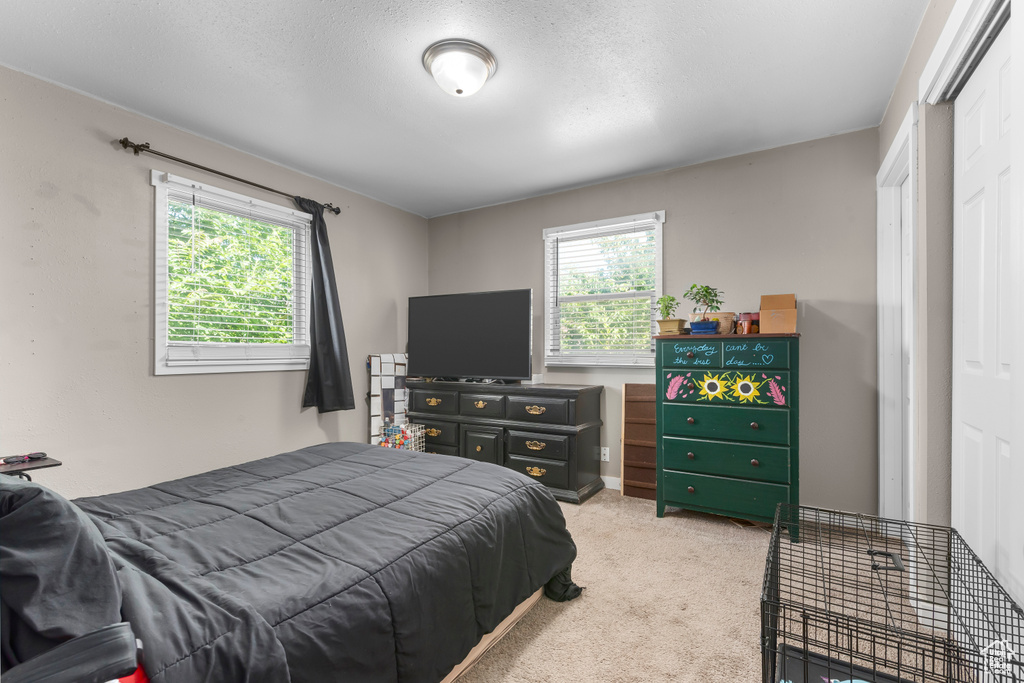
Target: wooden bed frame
{"type": "Point", "coordinates": [494, 636]}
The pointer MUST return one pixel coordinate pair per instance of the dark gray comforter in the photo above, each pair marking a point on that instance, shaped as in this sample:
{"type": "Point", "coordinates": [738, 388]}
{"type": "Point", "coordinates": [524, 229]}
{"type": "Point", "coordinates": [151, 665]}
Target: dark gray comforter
{"type": "Point", "coordinates": [337, 562]}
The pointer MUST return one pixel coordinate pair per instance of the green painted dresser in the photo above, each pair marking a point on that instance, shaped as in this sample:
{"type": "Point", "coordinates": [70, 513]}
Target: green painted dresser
{"type": "Point", "coordinates": [728, 423]}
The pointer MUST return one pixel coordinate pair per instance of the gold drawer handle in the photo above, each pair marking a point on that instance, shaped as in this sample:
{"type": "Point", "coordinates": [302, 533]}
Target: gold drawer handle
{"type": "Point", "coordinates": [481, 404]}
{"type": "Point", "coordinates": [536, 445]}
{"type": "Point", "coordinates": [536, 471]}
{"type": "Point", "coordinates": [433, 401]}
{"type": "Point", "coordinates": [479, 448]}
{"type": "Point", "coordinates": [536, 410]}
{"type": "Point", "coordinates": [432, 432]}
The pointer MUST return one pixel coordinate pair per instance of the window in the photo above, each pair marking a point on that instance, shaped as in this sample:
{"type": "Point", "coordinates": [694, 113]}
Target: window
{"type": "Point", "coordinates": [231, 281]}
{"type": "Point", "coordinates": [602, 280]}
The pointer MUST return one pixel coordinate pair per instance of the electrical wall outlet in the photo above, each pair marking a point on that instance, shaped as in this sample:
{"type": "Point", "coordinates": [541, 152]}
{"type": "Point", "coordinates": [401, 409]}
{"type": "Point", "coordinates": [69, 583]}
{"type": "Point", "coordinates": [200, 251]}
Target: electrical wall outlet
{"type": "Point", "coordinates": [605, 454]}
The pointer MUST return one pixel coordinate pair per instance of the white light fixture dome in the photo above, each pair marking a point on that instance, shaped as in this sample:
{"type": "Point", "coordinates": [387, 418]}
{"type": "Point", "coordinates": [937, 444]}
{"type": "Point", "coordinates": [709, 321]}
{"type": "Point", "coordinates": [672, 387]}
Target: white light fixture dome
{"type": "Point", "coordinates": [460, 67]}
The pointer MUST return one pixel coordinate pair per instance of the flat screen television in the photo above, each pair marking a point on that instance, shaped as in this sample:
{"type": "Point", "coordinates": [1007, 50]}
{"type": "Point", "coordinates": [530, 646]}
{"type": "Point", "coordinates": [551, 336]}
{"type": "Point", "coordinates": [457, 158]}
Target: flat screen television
{"type": "Point", "coordinates": [478, 335]}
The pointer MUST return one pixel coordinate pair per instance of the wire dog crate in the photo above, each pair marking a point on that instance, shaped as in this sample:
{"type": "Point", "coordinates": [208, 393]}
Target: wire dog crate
{"type": "Point", "coordinates": [852, 597]}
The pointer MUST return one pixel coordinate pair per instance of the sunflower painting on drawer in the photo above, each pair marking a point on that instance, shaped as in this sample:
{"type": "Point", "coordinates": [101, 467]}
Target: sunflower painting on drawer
{"type": "Point", "coordinates": [763, 390]}
{"type": "Point", "coordinates": [745, 389]}
{"type": "Point", "coordinates": [728, 386]}
{"type": "Point", "coordinates": [712, 387]}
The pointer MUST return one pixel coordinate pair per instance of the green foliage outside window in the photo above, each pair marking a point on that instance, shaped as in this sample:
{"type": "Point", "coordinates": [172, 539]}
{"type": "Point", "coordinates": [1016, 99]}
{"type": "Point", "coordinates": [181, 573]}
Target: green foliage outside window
{"type": "Point", "coordinates": [617, 264]}
{"type": "Point", "coordinates": [230, 279]}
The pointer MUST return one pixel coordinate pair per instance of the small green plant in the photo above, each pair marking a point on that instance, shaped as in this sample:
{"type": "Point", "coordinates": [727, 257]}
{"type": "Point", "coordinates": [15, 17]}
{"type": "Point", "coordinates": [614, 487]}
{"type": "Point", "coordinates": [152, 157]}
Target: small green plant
{"type": "Point", "coordinates": [668, 305]}
{"type": "Point", "coordinates": [704, 296]}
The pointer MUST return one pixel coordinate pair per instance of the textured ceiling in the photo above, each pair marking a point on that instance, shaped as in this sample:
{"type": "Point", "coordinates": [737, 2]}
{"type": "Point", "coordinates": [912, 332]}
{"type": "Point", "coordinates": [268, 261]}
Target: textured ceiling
{"type": "Point", "coordinates": [585, 91]}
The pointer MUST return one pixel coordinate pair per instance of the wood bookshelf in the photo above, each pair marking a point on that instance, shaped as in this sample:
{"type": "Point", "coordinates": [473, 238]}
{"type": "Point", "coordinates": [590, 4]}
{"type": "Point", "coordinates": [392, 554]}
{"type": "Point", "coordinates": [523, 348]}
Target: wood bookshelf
{"type": "Point", "coordinates": [639, 441]}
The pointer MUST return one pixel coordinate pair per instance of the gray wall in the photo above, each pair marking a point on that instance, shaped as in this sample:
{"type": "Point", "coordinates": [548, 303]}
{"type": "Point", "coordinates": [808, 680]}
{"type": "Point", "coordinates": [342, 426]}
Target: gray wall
{"type": "Point", "coordinates": [934, 348]}
{"type": "Point", "coordinates": [795, 219]}
{"type": "Point", "coordinates": [934, 280]}
{"type": "Point", "coordinates": [76, 313]}
{"type": "Point", "coordinates": [905, 92]}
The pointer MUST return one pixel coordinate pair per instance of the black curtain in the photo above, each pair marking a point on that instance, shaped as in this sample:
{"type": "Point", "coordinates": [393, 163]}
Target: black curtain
{"type": "Point", "coordinates": [328, 382]}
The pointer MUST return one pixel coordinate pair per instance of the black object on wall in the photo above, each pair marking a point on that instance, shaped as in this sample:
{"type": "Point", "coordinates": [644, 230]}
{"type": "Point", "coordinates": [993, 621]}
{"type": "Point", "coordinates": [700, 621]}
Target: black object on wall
{"type": "Point", "coordinates": [328, 381]}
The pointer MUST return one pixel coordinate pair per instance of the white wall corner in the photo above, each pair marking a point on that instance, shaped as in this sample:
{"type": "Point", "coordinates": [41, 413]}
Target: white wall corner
{"type": "Point", "coordinates": [613, 483]}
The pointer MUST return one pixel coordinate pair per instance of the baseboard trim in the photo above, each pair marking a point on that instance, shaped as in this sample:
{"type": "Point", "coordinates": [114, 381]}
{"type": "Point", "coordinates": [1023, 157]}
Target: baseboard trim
{"type": "Point", "coordinates": [614, 483]}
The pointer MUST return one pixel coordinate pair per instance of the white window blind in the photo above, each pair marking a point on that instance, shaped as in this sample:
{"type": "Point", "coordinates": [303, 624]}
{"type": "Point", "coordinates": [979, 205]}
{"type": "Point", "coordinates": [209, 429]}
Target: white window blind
{"type": "Point", "coordinates": [231, 281]}
{"type": "Point", "coordinates": [601, 283]}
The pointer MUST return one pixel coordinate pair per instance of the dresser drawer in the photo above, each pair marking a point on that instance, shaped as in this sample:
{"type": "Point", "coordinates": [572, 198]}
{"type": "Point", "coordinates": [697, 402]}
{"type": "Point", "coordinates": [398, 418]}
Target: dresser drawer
{"type": "Point", "coordinates": [730, 423]}
{"type": "Point", "coordinates": [546, 410]}
{"type": "Point", "coordinates": [483, 444]}
{"type": "Point", "coordinates": [441, 449]}
{"type": "Point", "coordinates": [728, 387]}
{"type": "Point", "coordinates": [690, 354]}
{"type": "Point", "coordinates": [755, 354]}
{"type": "Point", "coordinates": [547, 472]}
{"type": "Point", "coordinates": [482, 405]}
{"type": "Point", "coordinates": [533, 444]}
{"type": "Point", "coordinates": [439, 432]}
{"type": "Point", "coordinates": [727, 496]}
{"type": "Point", "coordinates": [746, 461]}
{"type": "Point", "coordinates": [441, 402]}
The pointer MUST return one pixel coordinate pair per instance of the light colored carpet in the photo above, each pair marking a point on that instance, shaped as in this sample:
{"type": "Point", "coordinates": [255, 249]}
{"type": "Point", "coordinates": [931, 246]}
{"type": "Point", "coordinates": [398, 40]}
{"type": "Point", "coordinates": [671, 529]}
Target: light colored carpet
{"type": "Point", "coordinates": [671, 599]}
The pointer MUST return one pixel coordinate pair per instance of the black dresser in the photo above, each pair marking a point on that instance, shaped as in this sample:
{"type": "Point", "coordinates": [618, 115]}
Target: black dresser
{"type": "Point", "coordinates": [551, 432]}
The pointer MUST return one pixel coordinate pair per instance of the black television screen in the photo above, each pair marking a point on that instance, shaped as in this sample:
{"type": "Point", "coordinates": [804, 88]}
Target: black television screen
{"type": "Point", "coordinates": [480, 335]}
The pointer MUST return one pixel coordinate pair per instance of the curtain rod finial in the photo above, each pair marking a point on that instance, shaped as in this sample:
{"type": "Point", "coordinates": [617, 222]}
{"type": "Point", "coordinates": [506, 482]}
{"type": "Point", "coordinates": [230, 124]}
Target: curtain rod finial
{"type": "Point", "coordinates": [333, 209]}
{"type": "Point", "coordinates": [136, 147]}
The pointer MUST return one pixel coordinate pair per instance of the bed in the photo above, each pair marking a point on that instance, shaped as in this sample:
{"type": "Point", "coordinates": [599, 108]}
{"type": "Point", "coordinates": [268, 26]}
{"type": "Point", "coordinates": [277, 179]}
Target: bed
{"type": "Point", "coordinates": [335, 562]}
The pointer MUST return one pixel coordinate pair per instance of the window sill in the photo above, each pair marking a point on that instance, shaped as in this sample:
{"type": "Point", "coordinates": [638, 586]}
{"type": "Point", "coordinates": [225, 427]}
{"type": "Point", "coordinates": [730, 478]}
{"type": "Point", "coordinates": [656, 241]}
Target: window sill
{"type": "Point", "coordinates": [218, 367]}
{"type": "Point", "coordinates": [598, 363]}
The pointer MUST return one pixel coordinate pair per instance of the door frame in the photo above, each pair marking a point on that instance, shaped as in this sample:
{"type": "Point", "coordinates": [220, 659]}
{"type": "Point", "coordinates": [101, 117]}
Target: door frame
{"type": "Point", "coordinates": [896, 436]}
{"type": "Point", "coordinates": [970, 29]}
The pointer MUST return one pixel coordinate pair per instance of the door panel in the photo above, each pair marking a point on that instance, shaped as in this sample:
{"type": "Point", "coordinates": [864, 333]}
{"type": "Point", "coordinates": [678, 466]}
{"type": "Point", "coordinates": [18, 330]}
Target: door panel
{"type": "Point", "coordinates": [1004, 278]}
{"type": "Point", "coordinates": [983, 309]}
{"type": "Point", "coordinates": [972, 283]}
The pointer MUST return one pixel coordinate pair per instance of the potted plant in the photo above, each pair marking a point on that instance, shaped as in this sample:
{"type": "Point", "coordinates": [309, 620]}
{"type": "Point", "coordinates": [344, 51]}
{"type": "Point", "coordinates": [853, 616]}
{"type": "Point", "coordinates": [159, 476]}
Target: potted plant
{"type": "Point", "coordinates": [711, 300]}
{"type": "Point", "coordinates": [667, 324]}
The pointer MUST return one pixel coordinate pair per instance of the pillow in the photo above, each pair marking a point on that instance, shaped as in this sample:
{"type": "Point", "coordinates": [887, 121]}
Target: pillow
{"type": "Point", "coordinates": [57, 580]}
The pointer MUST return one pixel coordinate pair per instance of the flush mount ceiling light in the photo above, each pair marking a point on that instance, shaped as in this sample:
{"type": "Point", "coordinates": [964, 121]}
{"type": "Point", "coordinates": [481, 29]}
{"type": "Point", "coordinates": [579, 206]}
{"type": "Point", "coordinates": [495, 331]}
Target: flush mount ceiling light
{"type": "Point", "coordinates": [460, 67]}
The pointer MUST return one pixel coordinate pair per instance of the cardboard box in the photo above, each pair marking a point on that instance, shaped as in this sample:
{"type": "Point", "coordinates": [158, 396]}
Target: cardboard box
{"type": "Point", "coordinates": [778, 314]}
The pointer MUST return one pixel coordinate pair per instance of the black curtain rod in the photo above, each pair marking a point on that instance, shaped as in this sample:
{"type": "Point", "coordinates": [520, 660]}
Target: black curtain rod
{"type": "Point", "coordinates": [144, 147]}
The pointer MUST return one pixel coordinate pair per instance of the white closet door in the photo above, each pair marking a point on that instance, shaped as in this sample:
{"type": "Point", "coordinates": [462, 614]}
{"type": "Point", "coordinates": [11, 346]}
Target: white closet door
{"type": "Point", "coordinates": [984, 307]}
